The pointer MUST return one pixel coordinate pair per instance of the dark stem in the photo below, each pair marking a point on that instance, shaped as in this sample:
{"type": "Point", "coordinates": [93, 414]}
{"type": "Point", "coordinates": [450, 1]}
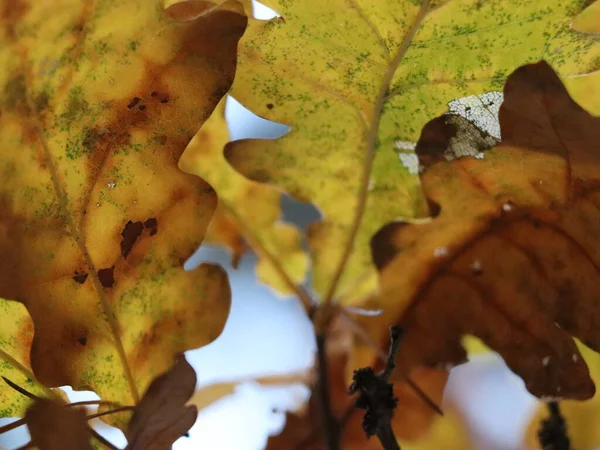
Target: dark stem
{"type": "Point", "coordinates": [553, 431]}
{"type": "Point", "coordinates": [328, 421]}
{"type": "Point", "coordinates": [387, 438]}
{"type": "Point", "coordinates": [12, 425]}
{"type": "Point", "coordinates": [376, 396]}
{"type": "Point", "coordinates": [20, 390]}
{"type": "Point", "coordinates": [112, 411]}
{"type": "Point", "coordinates": [102, 439]}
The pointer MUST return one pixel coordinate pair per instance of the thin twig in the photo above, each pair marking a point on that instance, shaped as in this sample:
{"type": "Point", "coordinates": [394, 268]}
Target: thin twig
{"type": "Point", "coordinates": [112, 411]}
{"type": "Point", "coordinates": [101, 439]}
{"type": "Point", "coordinates": [92, 403]}
{"type": "Point", "coordinates": [361, 334]}
{"type": "Point", "coordinates": [553, 431]}
{"type": "Point", "coordinates": [376, 396]}
{"type": "Point", "coordinates": [12, 425]}
{"type": "Point", "coordinates": [329, 423]}
{"type": "Point", "coordinates": [28, 373]}
{"type": "Point", "coordinates": [20, 390]}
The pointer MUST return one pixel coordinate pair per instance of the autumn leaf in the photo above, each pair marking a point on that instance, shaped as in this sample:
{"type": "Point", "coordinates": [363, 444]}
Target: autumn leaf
{"type": "Point", "coordinates": [589, 19]}
{"type": "Point", "coordinates": [56, 426]}
{"type": "Point", "coordinates": [97, 102]}
{"type": "Point", "coordinates": [511, 255]}
{"type": "Point", "coordinates": [580, 416]}
{"type": "Point", "coordinates": [356, 81]}
{"type": "Point", "coordinates": [162, 416]}
{"type": "Point", "coordinates": [16, 335]}
{"type": "Point", "coordinates": [247, 206]}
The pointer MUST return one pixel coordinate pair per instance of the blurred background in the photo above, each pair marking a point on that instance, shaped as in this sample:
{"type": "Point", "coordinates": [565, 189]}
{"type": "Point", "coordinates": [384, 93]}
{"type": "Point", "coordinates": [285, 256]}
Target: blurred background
{"type": "Point", "coordinates": [266, 335]}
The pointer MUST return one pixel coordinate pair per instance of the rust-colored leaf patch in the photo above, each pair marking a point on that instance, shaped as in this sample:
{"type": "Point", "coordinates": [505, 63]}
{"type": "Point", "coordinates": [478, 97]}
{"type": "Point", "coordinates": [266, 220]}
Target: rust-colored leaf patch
{"type": "Point", "coordinates": [55, 426]}
{"type": "Point", "coordinates": [513, 256]}
{"type": "Point", "coordinates": [162, 416]}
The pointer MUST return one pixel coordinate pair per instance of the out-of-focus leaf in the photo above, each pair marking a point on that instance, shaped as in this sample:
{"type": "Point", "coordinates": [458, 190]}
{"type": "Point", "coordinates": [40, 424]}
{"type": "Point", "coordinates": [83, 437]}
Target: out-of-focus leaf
{"type": "Point", "coordinates": [588, 21]}
{"type": "Point", "coordinates": [207, 395]}
{"type": "Point", "coordinates": [246, 208]}
{"type": "Point", "coordinates": [98, 101]}
{"type": "Point", "coordinates": [448, 433]}
{"type": "Point", "coordinates": [360, 79]}
{"type": "Point", "coordinates": [511, 255]}
{"type": "Point", "coordinates": [56, 426]}
{"type": "Point", "coordinates": [162, 415]}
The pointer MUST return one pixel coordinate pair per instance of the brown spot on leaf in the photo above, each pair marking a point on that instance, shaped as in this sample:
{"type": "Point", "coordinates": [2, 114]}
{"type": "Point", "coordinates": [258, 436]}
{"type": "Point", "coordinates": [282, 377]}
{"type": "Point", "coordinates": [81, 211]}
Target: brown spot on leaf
{"type": "Point", "coordinates": [270, 106]}
{"type": "Point", "coordinates": [131, 233]}
{"type": "Point", "coordinates": [80, 277]}
{"type": "Point", "coordinates": [134, 101]}
{"type": "Point", "coordinates": [152, 225]}
{"type": "Point", "coordinates": [107, 277]}
{"type": "Point", "coordinates": [82, 340]}
{"type": "Point", "coordinates": [142, 107]}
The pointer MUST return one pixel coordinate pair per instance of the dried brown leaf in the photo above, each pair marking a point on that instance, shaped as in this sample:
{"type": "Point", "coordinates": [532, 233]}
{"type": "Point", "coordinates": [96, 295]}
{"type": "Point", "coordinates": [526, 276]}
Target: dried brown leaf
{"type": "Point", "coordinates": [56, 426]}
{"type": "Point", "coordinates": [512, 254]}
{"type": "Point", "coordinates": [162, 416]}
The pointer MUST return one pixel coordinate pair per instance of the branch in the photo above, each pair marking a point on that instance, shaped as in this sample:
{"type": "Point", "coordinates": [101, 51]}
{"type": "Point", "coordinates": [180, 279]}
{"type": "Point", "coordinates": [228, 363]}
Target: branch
{"type": "Point", "coordinates": [553, 432]}
{"type": "Point", "coordinates": [330, 426]}
{"type": "Point", "coordinates": [376, 396]}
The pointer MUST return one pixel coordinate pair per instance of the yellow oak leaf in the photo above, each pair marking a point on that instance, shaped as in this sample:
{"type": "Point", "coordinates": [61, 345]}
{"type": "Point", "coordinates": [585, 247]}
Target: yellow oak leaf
{"type": "Point", "coordinates": [356, 81]}
{"type": "Point", "coordinates": [97, 102]}
{"type": "Point", "coordinates": [246, 206]}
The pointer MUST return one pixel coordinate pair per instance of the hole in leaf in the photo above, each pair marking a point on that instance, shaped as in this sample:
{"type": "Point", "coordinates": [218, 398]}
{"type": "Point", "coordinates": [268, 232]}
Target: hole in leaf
{"type": "Point", "coordinates": [130, 233]}
{"type": "Point", "coordinates": [297, 212]}
{"type": "Point", "coordinates": [107, 277]}
{"type": "Point", "coordinates": [152, 225]}
{"type": "Point", "coordinates": [80, 277]}
{"type": "Point", "coordinates": [263, 12]}
{"type": "Point", "coordinates": [244, 124]}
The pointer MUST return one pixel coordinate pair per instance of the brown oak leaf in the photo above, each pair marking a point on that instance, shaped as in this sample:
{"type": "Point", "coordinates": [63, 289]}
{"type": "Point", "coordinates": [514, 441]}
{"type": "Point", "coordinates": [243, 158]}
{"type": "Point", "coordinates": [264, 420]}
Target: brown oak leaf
{"type": "Point", "coordinates": [162, 416]}
{"type": "Point", "coordinates": [512, 253]}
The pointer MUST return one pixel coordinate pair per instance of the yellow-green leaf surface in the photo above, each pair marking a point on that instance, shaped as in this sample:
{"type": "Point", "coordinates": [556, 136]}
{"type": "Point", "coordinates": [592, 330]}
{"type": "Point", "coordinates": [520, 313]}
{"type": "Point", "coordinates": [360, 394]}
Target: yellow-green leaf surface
{"type": "Point", "coordinates": [16, 335]}
{"type": "Point", "coordinates": [98, 99]}
{"type": "Point", "coordinates": [357, 80]}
